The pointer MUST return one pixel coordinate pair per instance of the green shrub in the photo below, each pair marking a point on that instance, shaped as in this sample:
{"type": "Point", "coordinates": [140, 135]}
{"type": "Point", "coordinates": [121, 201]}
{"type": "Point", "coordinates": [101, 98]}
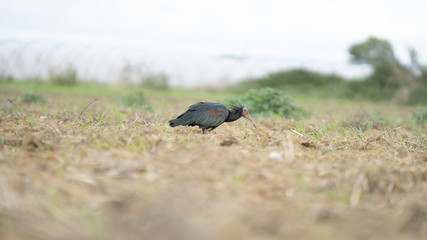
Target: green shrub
{"type": "Point", "coordinates": [363, 89]}
{"type": "Point", "coordinates": [29, 97]}
{"type": "Point", "coordinates": [6, 79]}
{"type": "Point", "coordinates": [419, 95]}
{"type": "Point", "coordinates": [64, 78]}
{"type": "Point", "coordinates": [156, 81]}
{"type": "Point", "coordinates": [268, 102]}
{"type": "Point", "coordinates": [301, 81]}
{"type": "Point", "coordinates": [136, 100]}
{"type": "Point", "coordinates": [421, 115]}
{"type": "Point", "coordinates": [300, 78]}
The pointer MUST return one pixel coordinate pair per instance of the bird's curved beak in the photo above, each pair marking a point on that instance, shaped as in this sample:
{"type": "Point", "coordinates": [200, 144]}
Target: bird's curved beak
{"type": "Point", "coordinates": [248, 116]}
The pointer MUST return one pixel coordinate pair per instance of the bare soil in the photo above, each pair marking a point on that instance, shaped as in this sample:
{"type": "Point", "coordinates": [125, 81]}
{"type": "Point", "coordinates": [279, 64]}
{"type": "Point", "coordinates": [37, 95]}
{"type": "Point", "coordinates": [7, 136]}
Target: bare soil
{"type": "Point", "coordinates": [130, 176]}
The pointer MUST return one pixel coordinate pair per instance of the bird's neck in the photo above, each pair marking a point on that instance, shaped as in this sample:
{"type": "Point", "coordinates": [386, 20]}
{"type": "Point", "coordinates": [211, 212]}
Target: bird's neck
{"type": "Point", "coordinates": [233, 116]}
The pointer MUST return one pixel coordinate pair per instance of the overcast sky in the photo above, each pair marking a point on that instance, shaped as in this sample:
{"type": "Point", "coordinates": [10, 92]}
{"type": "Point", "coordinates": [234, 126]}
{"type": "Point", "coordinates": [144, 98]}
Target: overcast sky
{"type": "Point", "coordinates": [311, 29]}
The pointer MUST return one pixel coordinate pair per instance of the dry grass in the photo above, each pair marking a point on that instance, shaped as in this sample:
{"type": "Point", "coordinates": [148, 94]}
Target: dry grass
{"type": "Point", "coordinates": [118, 173]}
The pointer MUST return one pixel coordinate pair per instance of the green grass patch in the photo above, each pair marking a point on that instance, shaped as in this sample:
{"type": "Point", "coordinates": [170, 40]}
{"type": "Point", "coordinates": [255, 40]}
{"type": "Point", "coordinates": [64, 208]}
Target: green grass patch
{"type": "Point", "coordinates": [136, 100]}
{"type": "Point", "coordinates": [420, 116]}
{"type": "Point", "coordinates": [30, 97]}
{"type": "Point", "coordinates": [100, 90]}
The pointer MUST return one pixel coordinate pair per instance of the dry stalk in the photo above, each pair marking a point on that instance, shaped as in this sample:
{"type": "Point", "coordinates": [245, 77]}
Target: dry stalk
{"type": "Point", "coordinates": [376, 138]}
{"type": "Point", "coordinates": [356, 192]}
{"type": "Point", "coordinates": [297, 133]}
{"type": "Point", "coordinates": [12, 100]}
{"type": "Point", "coordinates": [136, 119]}
{"type": "Point", "coordinates": [290, 153]}
{"type": "Point", "coordinates": [84, 109]}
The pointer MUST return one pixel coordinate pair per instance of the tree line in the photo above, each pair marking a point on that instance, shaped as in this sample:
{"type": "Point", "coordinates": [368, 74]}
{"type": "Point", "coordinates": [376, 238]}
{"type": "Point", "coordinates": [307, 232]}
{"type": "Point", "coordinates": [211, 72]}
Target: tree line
{"type": "Point", "coordinates": [390, 79]}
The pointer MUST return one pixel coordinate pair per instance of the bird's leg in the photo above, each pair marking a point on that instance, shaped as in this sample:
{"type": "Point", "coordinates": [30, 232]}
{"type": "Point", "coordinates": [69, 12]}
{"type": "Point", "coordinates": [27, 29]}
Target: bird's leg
{"type": "Point", "coordinates": [204, 130]}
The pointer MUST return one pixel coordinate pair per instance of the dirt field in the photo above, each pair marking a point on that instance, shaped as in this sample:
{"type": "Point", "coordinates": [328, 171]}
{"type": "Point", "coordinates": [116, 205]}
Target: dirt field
{"type": "Point", "coordinates": [127, 175]}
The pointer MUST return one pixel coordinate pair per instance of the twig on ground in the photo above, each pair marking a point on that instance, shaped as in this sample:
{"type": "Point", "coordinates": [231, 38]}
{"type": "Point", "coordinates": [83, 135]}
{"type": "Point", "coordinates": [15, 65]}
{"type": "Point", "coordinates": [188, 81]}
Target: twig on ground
{"type": "Point", "coordinates": [299, 134]}
{"type": "Point", "coordinates": [12, 100]}
{"type": "Point", "coordinates": [377, 138]}
{"type": "Point", "coordinates": [84, 109]}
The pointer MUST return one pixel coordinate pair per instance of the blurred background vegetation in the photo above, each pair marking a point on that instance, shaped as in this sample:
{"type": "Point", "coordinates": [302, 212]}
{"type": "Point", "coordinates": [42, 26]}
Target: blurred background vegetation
{"type": "Point", "coordinates": [389, 80]}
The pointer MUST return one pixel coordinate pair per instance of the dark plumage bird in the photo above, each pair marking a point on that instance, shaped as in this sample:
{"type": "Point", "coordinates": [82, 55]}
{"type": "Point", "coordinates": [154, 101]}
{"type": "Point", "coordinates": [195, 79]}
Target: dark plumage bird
{"type": "Point", "coordinates": [208, 116]}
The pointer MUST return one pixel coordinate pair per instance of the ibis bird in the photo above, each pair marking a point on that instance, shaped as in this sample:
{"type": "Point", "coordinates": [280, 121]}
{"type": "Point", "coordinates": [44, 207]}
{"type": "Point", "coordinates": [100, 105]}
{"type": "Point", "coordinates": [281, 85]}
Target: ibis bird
{"type": "Point", "coordinates": [208, 116]}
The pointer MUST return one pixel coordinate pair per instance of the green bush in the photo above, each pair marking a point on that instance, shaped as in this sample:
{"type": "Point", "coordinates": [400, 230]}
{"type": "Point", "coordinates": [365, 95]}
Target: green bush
{"type": "Point", "coordinates": [6, 79]}
{"type": "Point", "coordinates": [136, 100]}
{"type": "Point", "coordinates": [64, 78]}
{"type": "Point", "coordinates": [156, 81]}
{"type": "Point", "coordinates": [390, 80]}
{"type": "Point", "coordinates": [421, 115]}
{"type": "Point", "coordinates": [300, 78]}
{"type": "Point", "coordinates": [419, 95]}
{"type": "Point", "coordinates": [29, 97]}
{"type": "Point", "coordinates": [300, 81]}
{"type": "Point", "coordinates": [268, 102]}
{"type": "Point", "coordinates": [363, 89]}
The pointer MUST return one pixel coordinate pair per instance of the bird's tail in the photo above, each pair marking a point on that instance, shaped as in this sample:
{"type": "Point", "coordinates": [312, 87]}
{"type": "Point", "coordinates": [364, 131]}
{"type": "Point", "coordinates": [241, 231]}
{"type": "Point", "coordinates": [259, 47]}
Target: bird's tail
{"type": "Point", "coordinates": [183, 119]}
{"type": "Point", "coordinates": [174, 122]}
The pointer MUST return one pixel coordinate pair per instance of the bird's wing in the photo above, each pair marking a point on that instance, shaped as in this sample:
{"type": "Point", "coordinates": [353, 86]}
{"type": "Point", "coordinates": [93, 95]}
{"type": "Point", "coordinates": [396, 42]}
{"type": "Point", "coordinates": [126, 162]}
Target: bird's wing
{"type": "Point", "coordinates": [202, 105]}
{"type": "Point", "coordinates": [209, 114]}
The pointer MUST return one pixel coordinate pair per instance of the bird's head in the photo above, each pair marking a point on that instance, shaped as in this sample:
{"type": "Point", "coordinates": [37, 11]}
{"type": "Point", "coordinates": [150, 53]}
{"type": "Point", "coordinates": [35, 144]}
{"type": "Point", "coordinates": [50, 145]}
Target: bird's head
{"type": "Point", "coordinates": [245, 113]}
